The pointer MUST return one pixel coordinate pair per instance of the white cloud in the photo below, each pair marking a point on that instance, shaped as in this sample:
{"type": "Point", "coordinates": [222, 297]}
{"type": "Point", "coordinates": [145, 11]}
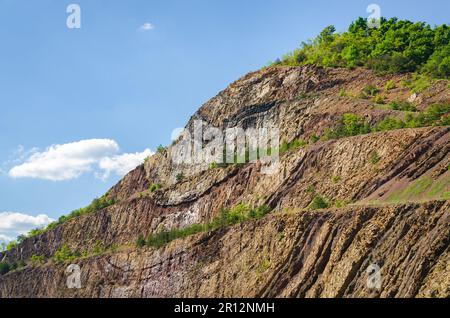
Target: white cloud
{"type": "Point", "coordinates": [13, 224]}
{"type": "Point", "coordinates": [147, 27]}
{"type": "Point", "coordinates": [69, 161]}
{"type": "Point", "coordinates": [65, 162]}
{"type": "Point", "coordinates": [19, 154]}
{"type": "Point", "coordinates": [122, 164]}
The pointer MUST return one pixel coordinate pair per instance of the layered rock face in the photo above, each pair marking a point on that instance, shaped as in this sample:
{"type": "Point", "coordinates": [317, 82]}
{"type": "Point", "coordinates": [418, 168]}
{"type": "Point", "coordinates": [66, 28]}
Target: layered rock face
{"type": "Point", "coordinates": [306, 254]}
{"type": "Point", "coordinates": [395, 222]}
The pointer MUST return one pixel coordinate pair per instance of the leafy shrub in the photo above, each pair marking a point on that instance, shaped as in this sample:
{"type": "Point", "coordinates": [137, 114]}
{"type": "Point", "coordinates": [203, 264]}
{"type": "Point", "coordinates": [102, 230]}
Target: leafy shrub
{"type": "Point", "coordinates": [11, 245]}
{"type": "Point", "coordinates": [343, 93]}
{"type": "Point", "coordinates": [160, 149]}
{"type": "Point", "coordinates": [318, 203]}
{"type": "Point", "coordinates": [435, 115]}
{"type": "Point", "coordinates": [418, 83]}
{"type": "Point", "coordinates": [390, 85]}
{"type": "Point", "coordinates": [37, 259]}
{"type": "Point", "coordinates": [4, 268]}
{"type": "Point", "coordinates": [378, 99]}
{"type": "Point", "coordinates": [140, 242]}
{"type": "Point", "coordinates": [259, 212]}
{"type": "Point", "coordinates": [314, 139]}
{"type": "Point", "coordinates": [64, 254]}
{"type": "Point", "coordinates": [403, 106]}
{"type": "Point", "coordinates": [438, 64]}
{"type": "Point", "coordinates": [154, 187]}
{"type": "Point", "coordinates": [389, 123]}
{"type": "Point", "coordinates": [349, 125]}
{"type": "Point", "coordinates": [180, 177]}
{"type": "Point", "coordinates": [238, 214]}
{"type": "Point", "coordinates": [21, 238]}
{"type": "Point", "coordinates": [370, 90]}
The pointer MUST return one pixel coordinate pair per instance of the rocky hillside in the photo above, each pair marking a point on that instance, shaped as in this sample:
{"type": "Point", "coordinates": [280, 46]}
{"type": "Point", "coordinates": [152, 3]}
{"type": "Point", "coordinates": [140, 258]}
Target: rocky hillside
{"type": "Point", "coordinates": [343, 199]}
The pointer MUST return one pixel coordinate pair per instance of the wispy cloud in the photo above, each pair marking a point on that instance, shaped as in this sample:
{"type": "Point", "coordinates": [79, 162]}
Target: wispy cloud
{"type": "Point", "coordinates": [71, 160]}
{"type": "Point", "coordinates": [13, 224]}
{"type": "Point", "coordinates": [147, 27]}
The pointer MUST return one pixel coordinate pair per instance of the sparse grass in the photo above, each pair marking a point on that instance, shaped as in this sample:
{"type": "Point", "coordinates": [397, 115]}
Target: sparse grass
{"type": "Point", "coordinates": [310, 189]}
{"type": "Point", "coordinates": [295, 144]}
{"type": "Point", "coordinates": [413, 191]}
{"type": "Point", "coordinates": [439, 188]}
{"type": "Point", "coordinates": [263, 266]}
{"type": "Point", "coordinates": [341, 203]}
{"type": "Point", "coordinates": [98, 249]}
{"type": "Point", "coordinates": [343, 93]}
{"type": "Point", "coordinates": [374, 157]}
{"type": "Point", "coordinates": [336, 179]}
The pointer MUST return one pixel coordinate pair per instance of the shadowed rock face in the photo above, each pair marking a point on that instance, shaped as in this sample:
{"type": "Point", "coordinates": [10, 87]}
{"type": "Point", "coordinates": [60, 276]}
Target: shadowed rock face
{"type": "Point", "coordinates": [394, 222]}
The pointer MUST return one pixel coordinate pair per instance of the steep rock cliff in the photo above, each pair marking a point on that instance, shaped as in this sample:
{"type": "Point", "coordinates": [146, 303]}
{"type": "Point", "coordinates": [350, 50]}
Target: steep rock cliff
{"type": "Point", "coordinates": [293, 252]}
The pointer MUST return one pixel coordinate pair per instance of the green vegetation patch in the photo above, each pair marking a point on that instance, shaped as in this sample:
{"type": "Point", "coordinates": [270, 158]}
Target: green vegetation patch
{"type": "Point", "coordinates": [6, 267]}
{"type": "Point", "coordinates": [424, 187]}
{"type": "Point", "coordinates": [155, 187]}
{"type": "Point", "coordinates": [295, 144]}
{"type": "Point", "coordinates": [402, 106]}
{"type": "Point", "coordinates": [398, 46]}
{"type": "Point", "coordinates": [227, 217]}
{"type": "Point", "coordinates": [319, 203]}
{"type": "Point", "coordinates": [353, 125]}
{"type": "Point", "coordinates": [64, 255]}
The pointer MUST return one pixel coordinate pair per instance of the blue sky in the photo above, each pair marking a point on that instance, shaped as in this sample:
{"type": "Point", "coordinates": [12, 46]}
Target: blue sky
{"type": "Point", "coordinates": [128, 88]}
